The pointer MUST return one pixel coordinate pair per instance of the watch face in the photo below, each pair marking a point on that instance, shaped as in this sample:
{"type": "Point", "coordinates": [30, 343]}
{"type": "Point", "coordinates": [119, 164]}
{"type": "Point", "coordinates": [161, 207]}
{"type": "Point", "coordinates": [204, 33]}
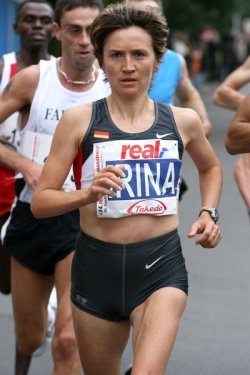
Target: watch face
{"type": "Point", "coordinates": [214, 214]}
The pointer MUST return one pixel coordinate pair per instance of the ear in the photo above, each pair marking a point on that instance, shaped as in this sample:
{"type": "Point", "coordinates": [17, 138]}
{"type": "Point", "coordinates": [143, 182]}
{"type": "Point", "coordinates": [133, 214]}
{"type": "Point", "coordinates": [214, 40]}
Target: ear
{"type": "Point", "coordinates": [57, 31]}
{"type": "Point", "coordinates": [15, 28]}
{"type": "Point", "coordinates": [156, 66]}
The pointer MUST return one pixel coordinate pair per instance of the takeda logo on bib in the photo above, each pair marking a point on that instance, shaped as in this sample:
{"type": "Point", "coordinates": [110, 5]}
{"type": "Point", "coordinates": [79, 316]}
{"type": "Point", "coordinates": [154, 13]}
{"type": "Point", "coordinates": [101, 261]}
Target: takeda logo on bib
{"type": "Point", "coordinates": [152, 206]}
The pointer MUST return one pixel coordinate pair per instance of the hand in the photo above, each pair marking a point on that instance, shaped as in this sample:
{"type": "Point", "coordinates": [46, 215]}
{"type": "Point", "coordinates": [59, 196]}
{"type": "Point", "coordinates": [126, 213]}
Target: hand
{"type": "Point", "coordinates": [31, 173]}
{"type": "Point", "coordinates": [210, 232]}
{"type": "Point", "coordinates": [105, 182]}
{"type": "Point", "coordinates": [4, 140]}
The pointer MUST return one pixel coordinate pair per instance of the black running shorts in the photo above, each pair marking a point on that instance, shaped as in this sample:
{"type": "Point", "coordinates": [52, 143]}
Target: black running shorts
{"type": "Point", "coordinates": [39, 244]}
{"type": "Point", "coordinates": [109, 280]}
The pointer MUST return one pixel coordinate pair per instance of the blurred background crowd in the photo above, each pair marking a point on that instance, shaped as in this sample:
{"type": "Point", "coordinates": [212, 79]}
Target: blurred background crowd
{"type": "Point", "coordinates": [211, 56]}
{"type": "Point", "coordinates": [212, 35]}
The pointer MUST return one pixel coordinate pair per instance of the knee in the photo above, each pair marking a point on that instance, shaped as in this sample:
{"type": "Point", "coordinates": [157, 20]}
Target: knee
{"type": "Point", "coordinates": [28, 345]}
{"type": "Point", "coordinates": [24, 347]}
{"type": "Point", "coordinates": [64, 344]}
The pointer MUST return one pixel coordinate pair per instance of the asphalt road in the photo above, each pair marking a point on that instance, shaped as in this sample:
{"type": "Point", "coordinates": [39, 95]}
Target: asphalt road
{"type": "Point", "coordinates": [214, 334]}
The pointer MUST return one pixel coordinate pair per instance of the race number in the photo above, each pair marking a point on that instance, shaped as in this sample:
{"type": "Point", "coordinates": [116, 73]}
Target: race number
{"type": "Point", "coordinates": [152, 169]}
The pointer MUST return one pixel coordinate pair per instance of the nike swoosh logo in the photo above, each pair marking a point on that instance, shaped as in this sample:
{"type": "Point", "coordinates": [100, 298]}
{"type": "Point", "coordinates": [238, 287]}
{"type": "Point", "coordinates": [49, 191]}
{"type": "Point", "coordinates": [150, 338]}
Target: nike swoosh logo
{"type": "Point", "coordinates": [151, 264]}
{"type": "Point", "coordinates": [162, 135]}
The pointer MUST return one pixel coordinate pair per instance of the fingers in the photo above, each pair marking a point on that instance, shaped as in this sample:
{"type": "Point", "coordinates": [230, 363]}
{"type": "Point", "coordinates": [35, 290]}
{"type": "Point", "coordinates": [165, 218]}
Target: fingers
{"type": "Point", "coordinates": [210, 234]}
{"type": "Point", "coordinates": [109, 180]}
{"type": "Point", "coordinates": [209, 238]}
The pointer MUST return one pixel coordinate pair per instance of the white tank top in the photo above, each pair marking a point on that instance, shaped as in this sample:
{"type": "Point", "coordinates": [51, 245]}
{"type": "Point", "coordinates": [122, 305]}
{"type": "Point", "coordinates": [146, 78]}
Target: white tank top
{"type": "Point", "coordinates": [50, 101]}
{"type": "Point", "coordinates": [9, 60]}
{"type": "Point", "coordinates": [8, 128]}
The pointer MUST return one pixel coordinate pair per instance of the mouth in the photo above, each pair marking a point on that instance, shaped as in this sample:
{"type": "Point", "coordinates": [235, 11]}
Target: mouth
{"type": "Point", "coordinates": [128, 80]}
{"type": "Point", "coordinates": [83, 53]}
{"type": "Point", "coordinates": [37, 36]}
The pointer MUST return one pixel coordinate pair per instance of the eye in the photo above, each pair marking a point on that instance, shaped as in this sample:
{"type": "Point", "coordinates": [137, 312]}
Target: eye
{"type": "Point", "coordinates": [29, 19]}
{"type": "Point", "coordinates": [74, 31]}
{"type": "Point", "coordinates": [139, 54]}
{"type": "Point", "coordinates": [116, 55]}
{"type": "Point", "coordinates": [46, 20]}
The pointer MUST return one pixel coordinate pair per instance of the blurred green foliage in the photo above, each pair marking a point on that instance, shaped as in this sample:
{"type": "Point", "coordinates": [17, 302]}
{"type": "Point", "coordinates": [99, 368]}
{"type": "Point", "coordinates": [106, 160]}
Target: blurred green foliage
{"type": "Point", "coordinates": [192, 16]}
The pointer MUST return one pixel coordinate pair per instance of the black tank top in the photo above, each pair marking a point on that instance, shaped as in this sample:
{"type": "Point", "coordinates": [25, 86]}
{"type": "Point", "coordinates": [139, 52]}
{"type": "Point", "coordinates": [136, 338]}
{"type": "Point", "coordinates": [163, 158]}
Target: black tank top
{"type": "Point", "coordinates": [102, 129]}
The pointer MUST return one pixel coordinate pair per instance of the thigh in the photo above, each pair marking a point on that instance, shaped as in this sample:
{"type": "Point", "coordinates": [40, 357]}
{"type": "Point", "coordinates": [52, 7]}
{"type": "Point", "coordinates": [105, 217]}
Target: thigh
{"type": "Point", "coordinates": [30, 295]}
{"type": "Point", "coordinates": [155, 324]}
{"type": "Point", "coordinates": [100, 342]}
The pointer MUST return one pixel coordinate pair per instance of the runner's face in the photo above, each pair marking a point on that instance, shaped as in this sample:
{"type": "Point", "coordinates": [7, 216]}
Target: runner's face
{"type": "Point", "coordinates": [35, 26]}
{"type": "Point", "coordinates": [129, 61]}
{"type": "Point", "coordinates": [74, 36]}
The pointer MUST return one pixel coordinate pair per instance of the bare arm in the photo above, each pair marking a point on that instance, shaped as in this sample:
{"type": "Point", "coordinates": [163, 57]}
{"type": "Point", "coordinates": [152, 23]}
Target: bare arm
{"type": "Point", "coordinates": [227, 94]}
{"type": "Point", "coordinates": [189, 97]}
{"type": "Point", "coordinates": [242, 177]}
{"type": "Point", "coordinates": [237, 139]}
{"type": "Point", "coordinates": [49, 199]}
{"type": "Point", "coordinates": [19, 93]}
{"type": "Point", "coordinates": [209, 170]}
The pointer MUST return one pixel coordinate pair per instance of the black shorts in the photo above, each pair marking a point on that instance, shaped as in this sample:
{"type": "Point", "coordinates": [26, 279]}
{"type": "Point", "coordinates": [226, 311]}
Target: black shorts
{"type": "Point", "coordinates": [39, 244]}
{"type": "Point", "coordinates": [109, 280]}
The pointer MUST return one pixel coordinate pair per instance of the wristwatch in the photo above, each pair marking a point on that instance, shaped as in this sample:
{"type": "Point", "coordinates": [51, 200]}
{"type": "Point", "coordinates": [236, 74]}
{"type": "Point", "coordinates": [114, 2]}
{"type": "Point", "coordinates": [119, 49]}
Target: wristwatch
{"type": "Point", "coordinates": [212, 211]}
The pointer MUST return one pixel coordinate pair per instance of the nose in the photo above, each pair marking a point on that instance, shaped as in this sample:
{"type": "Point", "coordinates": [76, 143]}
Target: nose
{"type": "Point", "coordinates": [128, 64]}
{"type": "Point", "coordinates": [84, 39]}
{"type": "Point", "coordinates": [37, 23]}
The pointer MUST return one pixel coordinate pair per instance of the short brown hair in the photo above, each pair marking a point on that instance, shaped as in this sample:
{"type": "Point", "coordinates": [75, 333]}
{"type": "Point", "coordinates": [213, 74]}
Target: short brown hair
{"type": "Point", "coordinates": [63, 6]}
{"type": "Point", "coordinates": [122, 16]}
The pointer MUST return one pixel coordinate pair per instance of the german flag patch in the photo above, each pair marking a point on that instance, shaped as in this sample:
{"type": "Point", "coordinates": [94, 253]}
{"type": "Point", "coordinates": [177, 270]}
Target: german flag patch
{"type": "Point", "coordinates": [100, 134]}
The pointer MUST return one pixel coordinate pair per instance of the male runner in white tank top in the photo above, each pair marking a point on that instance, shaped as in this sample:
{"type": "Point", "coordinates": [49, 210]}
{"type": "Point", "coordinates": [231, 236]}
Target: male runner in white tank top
{"type": "Point", "coordinates": [34, 25]}
{"type": "Point", "coordinates": [42, 250]}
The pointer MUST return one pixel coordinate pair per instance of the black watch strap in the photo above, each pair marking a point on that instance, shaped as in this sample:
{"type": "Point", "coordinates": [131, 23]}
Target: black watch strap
{"type": "Point", "coordinates": [212, 211]}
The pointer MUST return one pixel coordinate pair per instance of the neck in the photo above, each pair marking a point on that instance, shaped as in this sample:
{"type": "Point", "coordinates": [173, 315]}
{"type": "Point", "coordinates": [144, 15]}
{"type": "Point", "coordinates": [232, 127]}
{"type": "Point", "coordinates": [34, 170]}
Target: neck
{"type": "Point", "coordinates": [131, 109]}
{"type": "Point", "coordinates": [26, 58]}
{"type": "Point", "coordinates": [76, 82]}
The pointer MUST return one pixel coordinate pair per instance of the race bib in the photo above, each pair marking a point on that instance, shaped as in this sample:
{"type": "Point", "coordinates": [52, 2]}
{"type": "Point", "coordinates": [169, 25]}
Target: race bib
{"type": "Point", "coordinates": [152, 169]}
{"type": "Point", "coordinates": [36, 147]}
